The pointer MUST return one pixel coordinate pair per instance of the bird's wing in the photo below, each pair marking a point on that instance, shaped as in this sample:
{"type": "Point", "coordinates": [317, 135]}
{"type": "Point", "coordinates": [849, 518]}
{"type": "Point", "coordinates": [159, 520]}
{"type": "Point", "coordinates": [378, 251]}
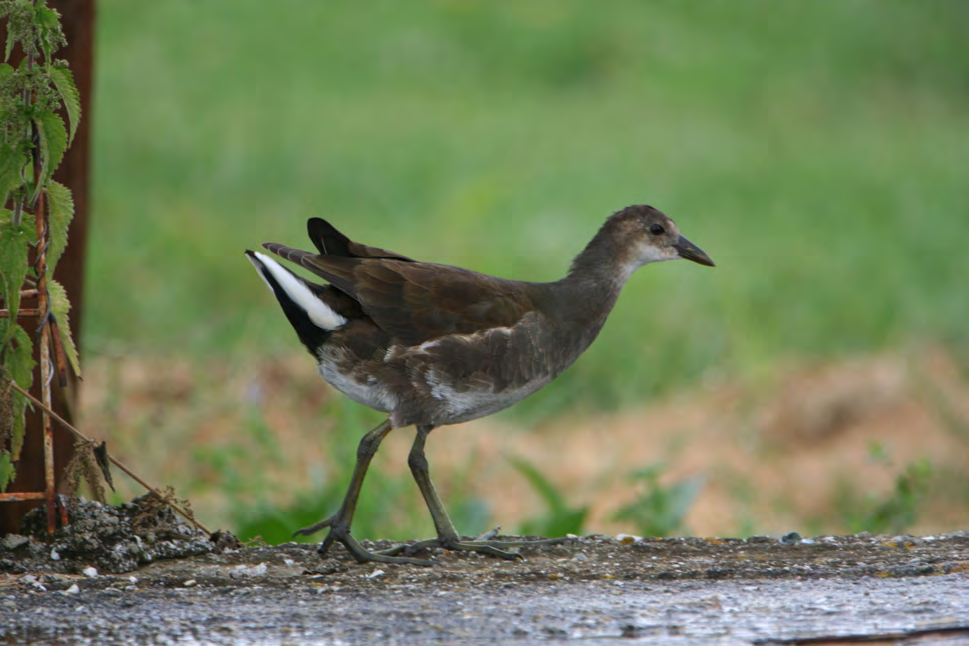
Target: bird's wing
{"type": "Point", "coordinates": [416, 302]}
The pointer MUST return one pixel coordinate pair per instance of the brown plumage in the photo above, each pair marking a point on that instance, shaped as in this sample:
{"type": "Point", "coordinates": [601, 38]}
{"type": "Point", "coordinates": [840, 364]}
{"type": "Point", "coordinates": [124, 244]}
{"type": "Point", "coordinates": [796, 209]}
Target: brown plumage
{"type": "Point", "coordinates": [433, 344]}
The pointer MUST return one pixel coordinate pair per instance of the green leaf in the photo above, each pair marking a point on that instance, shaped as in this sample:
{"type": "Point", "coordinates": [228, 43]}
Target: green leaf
{"type": "Point", "coordinates": [542, 485]}
{"type": "Point", "coordinates": [14, 243]}
{"type": "Point", "coordinates": [11, 39]}
{"type": "Point", "coordinates": [60, 203]}
{"type": "Point", "coordinates": [7, 471]}
{"type": "Point", "coordinates": [11, 164]}
{"type": "Point", "coordinates": [659, 510]}
{"type": "Point", "coordinates": [53, 143]}
{"type": "Point", "coordinates": [6, 71]}
{"type": "Point", "coordinates": [60, 306]}
{"type": "Point", "coordinates": [560, 519]}
{"type": "Point", "coordinates": [18, 361]}
{"type": "Point", "coordinates": [64, 82]}
{"type": "Point", "coordinates": [45, 19]}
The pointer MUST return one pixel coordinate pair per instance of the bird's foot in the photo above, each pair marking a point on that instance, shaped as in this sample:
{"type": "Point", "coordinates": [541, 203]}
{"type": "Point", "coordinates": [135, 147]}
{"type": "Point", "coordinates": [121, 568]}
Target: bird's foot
{"type": "Point", "coordinates": [483, 545]}
{"type": "Point", "coordinates": [340, 531]}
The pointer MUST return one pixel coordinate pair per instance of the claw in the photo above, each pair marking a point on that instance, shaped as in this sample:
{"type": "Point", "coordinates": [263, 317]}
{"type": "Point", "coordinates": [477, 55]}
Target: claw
{"type": "Point", "coordinates": [482, 544]}
{"type": "Point", "coordinates": [325, 545]}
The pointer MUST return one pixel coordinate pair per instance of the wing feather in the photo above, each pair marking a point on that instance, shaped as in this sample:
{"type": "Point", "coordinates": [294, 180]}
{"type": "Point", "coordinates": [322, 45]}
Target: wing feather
{"type": "Point", "coordinates": [413, 302]}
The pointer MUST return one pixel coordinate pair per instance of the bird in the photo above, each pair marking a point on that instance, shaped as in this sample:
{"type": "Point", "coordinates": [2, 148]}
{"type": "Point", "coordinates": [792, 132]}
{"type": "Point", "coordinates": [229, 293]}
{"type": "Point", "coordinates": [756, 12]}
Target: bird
{"type": "Point", "coordinates": [432, 345]}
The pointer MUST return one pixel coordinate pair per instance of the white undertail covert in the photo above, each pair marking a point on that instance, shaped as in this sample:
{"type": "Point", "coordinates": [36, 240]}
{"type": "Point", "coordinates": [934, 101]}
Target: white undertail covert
{"type": "Point", "coordinates": [321, 314]}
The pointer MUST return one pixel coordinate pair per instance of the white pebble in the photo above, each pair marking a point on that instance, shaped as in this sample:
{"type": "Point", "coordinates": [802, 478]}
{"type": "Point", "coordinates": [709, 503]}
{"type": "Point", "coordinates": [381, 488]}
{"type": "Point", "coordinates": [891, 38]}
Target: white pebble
{"type": "Point", "coordinates": [374, 574]}
{"type": "Point", "coordinates": [72, 590]}
{"type": "Point", "coordinates": [255, 570]}
{"type": "Point", "coordinates": [189, 583]}
{"type": "Point", "coordinates": [90, 572]}
{"type": "Point", "coordinates": [54, 556]}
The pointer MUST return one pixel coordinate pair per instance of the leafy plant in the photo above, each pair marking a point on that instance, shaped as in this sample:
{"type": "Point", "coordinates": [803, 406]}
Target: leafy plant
{"type": "Point", "coordinates": [897, 510]}
{"type": "Point", "coordinates": [559, 519]}
{"type": "Point", "coordinates": [33, 139]}
{"type": "Point", "coordinates": [659, 510]}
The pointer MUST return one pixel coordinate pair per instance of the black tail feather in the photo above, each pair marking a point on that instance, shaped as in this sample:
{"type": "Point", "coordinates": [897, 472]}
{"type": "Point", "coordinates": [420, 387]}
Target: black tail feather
{"type": "Point", "coordinates": [327, 240]}
{"type": "Point", "coordinates": [330, 242]}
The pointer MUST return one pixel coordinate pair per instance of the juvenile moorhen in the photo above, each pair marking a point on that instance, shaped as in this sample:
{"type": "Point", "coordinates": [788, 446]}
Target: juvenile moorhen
{"type": "Point", "coordinates": [433, 345]}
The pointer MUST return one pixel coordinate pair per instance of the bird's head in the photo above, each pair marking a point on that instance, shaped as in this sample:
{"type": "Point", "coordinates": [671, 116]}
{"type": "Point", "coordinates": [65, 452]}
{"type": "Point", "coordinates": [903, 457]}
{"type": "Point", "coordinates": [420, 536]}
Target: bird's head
{"type": "Point", "coordinates": [645, 235]}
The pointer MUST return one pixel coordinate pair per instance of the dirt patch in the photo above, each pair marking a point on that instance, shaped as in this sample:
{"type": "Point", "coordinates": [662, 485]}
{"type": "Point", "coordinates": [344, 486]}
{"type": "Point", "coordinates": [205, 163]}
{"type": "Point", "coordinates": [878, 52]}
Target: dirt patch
{"type": "Point", "coordinates": [798, 449]}
{"type": "Point", "coordinates": [111, 539]}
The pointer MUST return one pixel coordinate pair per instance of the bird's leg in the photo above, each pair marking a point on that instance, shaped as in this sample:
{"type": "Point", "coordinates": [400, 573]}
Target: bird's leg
{"type": "Point", "coordinates": [447, 536]}
{"type": "Point", "coordinates": [339, 523]}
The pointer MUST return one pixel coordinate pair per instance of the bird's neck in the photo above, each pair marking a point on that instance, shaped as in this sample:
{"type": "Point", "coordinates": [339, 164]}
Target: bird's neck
{"type": "Point", "coordinates": [588, 293]}
{"type": "Point", "coordinates": [605, 262]}
{"type": "Point", "coordinates": [588, 300]}
{"type": "Point", "coordinates": [584, 302]}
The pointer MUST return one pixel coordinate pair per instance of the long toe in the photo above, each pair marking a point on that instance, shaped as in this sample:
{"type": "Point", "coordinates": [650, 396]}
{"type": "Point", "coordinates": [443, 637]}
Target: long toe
{"type": "Point", "coordinates": [538, 542]}
{"type": "Point", "coordinates": [411, 548]}
{"type": "Point", "coordinates": [315, 527]}
{"type": "Point", "coordinates": [484, 544]}
{"type": "Point", "coordinates": [486, 548]}
{"type": "Point", "coordinates": [363, 555]}
{"type": "Point", "coordinates": [483, 547]}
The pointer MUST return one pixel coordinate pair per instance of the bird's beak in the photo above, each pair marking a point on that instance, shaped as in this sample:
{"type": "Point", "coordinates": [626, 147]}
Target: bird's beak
{"type": "Point", "coordinates": [690, 251]}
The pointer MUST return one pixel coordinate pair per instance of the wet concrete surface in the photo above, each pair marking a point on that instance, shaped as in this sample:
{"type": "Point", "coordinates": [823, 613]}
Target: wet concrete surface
{"type": "Point", "coordinates": [677, 612]}
{"type": "Point", "coordinates": [595, 589]}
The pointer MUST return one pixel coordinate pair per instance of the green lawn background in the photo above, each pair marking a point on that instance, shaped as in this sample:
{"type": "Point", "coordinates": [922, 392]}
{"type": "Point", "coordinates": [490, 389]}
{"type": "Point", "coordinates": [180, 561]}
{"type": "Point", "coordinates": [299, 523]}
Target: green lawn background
{"type": "Point", "coordinates": [817, 150]}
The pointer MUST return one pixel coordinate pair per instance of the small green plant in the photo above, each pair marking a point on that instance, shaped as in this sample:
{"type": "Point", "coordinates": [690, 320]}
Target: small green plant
{"type": "Point", "coordinates": [276, 523]}
{"type": "Point", "coordinates": [559, 519]}
{"type": "Point", "coordinates": [659, 510]}
{"type": "Point", "coordinates": [896, 511]}
{"type": "Point", "coordinates": [33, 139]}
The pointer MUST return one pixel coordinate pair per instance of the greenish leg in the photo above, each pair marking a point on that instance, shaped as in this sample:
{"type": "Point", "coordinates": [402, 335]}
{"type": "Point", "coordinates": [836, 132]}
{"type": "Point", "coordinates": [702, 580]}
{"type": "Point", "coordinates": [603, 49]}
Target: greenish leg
{"type": "Point", "coordinates": [339, 523]}
{"type": "Point", "coordinates": [447, 535]}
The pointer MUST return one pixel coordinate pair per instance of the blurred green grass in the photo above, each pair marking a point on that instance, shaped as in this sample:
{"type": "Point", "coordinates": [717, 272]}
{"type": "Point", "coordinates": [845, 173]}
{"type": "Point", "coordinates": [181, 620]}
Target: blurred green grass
{"type": "Point", "coordinates": [817, 151]}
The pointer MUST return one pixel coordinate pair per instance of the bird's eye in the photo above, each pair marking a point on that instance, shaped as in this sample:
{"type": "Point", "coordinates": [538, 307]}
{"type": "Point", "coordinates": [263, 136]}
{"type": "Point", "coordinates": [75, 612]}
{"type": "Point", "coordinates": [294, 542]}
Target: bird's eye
{"type": "Point", "coordinates": [656, 229]}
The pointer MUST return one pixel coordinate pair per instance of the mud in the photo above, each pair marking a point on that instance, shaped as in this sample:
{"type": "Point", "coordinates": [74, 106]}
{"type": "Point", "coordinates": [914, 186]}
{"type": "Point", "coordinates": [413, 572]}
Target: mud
{"type": "Point", "coordinates": [904, 588]}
